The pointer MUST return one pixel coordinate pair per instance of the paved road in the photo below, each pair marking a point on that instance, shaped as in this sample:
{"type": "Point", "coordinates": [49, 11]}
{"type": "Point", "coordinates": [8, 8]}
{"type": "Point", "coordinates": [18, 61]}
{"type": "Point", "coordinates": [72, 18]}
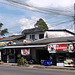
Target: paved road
{"type": "Point", "coordinates": [13, 70]}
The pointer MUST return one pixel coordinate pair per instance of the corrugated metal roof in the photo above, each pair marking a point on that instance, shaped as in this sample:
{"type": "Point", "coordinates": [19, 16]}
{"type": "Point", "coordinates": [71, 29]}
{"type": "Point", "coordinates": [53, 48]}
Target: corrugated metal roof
{"type": "Point", "coordinates": [54, 40]}
{"type": "Point", "coordinates": [28, 46]}
{"type": "Point", "coordinates": [33, 30]}
{"type": "Point", "coordinates": [11, 38]}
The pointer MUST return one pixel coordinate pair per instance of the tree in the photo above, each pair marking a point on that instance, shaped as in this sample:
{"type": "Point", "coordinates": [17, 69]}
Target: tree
{"type": "Point", "coordinates": [4, 31]}
{"type": "Point", "coordinates": [1, 25]}
{"type": "Point", "coordinates": [41, 24]}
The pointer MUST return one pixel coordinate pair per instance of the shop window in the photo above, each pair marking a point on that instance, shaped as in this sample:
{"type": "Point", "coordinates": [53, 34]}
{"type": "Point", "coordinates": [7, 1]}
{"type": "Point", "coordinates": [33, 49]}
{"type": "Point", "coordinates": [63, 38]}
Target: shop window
{"type": "Point", "coordinates": [41, 36]}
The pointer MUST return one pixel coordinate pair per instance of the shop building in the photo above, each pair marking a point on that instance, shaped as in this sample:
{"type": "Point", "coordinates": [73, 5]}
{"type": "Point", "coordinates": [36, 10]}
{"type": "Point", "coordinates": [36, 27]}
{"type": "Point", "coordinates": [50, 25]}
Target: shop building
{"type": "Point", "coordinates": [34, 45]}
{"type": "Point", "coordinates": [59, 51]}
{"type": "Point", "coordinates": [36, 34]}
{"type": "Point", "coordinates": [9, 41]}
{"type": "Point", "coordinates": [39, 50]}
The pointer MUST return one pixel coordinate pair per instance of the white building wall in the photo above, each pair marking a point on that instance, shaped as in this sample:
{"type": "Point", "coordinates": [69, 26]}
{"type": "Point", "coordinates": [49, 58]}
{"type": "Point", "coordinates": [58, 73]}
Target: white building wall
{"type": "Point", "coordinates": [36, 36]}
{"type": "Point", "coordinates": [54, 34]}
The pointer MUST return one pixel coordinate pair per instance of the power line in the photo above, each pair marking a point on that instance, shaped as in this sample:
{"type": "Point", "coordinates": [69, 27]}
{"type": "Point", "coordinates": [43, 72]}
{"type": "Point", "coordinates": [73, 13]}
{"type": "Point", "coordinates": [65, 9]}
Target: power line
{"type": "Point", "coordinates": [14, 5]}
{"type": "Point", "coordinates": [54, 25]}
{"type": "Point", "coordinates": [38, 8]}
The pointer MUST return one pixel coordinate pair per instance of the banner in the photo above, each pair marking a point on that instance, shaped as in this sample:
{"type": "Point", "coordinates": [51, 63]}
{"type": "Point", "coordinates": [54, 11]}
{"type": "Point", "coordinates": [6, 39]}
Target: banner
{"type": "Point", "coordinates": [0, 55]}
{"type": "Point", "coordinates": [25, 52]}
{"type": "Point", "coordinates": [58, 48]}
{"type": "Point", "coordinates": [61, 47]}
{"type": "Point", "coordinates": [4, 43]}
{"type": "Point", "coordinates": [72, 48]}
{"type": "Point", "coordinates": [52, 48]}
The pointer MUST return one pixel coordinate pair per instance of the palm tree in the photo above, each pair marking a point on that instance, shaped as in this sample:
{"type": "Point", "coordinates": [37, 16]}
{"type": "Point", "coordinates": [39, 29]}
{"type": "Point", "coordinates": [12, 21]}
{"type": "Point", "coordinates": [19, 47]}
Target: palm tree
{"type": "Point", "coordinates": [4, 31]}
{"type": "Point", "coordinates": [1, 24]}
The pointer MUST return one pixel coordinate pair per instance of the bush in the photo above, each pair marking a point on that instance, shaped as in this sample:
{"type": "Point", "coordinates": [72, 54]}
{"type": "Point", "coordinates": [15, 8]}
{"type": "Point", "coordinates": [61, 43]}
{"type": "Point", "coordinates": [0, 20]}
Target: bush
{"type": "Point", "coordinates": [19, 55]}
{"type": "Point", "coordinates": [21, 60]}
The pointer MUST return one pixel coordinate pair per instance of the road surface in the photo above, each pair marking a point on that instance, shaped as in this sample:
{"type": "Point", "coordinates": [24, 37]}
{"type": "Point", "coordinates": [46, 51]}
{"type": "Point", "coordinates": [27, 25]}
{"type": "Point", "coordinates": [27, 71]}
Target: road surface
{"type": "Point", "coordinates": [14, 70]}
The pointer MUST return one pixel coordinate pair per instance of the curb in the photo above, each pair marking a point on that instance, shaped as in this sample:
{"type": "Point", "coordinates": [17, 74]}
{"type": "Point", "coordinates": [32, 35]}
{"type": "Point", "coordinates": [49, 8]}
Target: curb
{"type": "Point", "coordinates": [50, 67]}
{"type": "Point", "coordinates": [42, 67]}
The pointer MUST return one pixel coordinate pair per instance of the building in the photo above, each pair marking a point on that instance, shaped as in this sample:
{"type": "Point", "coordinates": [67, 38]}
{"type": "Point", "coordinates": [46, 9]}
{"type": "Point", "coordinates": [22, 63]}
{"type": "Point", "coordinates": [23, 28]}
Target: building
{"type": "Point", "coordinates": [5, 53]}
{"type": "Point", "coordinates": [38, 49]}
{"type": "Point", "coordinates": [35, 33]}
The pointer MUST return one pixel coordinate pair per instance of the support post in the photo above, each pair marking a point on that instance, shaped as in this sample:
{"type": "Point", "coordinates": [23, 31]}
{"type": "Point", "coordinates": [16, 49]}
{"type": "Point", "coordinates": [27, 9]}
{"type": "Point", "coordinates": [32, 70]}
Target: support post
{"type": "Point", "coordinates": [74, 17]}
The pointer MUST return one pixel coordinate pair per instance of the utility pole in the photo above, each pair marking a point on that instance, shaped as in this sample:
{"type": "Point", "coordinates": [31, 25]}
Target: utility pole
{"type": "Point", "coordinates": [74, 17]}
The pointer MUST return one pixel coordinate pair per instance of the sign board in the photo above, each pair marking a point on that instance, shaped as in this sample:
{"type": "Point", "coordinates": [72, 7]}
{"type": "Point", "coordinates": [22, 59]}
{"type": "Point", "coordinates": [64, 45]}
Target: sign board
{"type": "Point", "coordinates": [3, 43]}
{"type": "Point", "coordinates": [47, 62]}
{"type": "Point", "coordinates": [61, 47]}
{"type": "Point", "coordinates": [57, 48]}
{"type": "Point", "coordinates": [0, 55]}
{"type": "Point", "coordinates": [52, 48]}
{"type": "Point", "coordinates": [72, 48]}
{"type": "Point", "coordinates": [25, 52]}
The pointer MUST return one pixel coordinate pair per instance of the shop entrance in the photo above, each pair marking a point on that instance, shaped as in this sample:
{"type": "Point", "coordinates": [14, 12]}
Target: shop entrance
{"type": "Point", "coordinates": [4, 55]}
{"type": "Point", "coordinates": [41, 55]}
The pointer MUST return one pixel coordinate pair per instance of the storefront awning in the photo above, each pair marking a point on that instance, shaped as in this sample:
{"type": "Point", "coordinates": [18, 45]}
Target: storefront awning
{"type": "Point", "coordinates": [28, 46]}
{"type": "Point", "coordinates": [2, 47]}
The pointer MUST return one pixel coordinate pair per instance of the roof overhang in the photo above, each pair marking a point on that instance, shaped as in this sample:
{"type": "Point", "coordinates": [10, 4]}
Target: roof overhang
{"type": "Point", "coordinates": [28, 46]}
{"type": "Point", "coordinates": [62, 43]}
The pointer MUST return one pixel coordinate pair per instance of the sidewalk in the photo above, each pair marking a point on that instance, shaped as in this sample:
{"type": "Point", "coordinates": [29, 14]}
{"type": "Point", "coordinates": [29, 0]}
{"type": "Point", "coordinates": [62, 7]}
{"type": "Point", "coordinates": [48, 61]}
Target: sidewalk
{"type": "Point", "coordinates": [40, 66]}
{"type": "Point", "coordinates": [53, 67]}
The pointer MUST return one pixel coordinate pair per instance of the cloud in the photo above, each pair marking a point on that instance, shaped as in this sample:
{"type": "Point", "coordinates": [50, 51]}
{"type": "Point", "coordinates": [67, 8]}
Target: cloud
{"type": "Point", "coordinates": [50, 27]}
{"type": "Point", "coordinates": [52, 3]}
{"type": "Point", "coordinates": [27, 23]}
{"type": "Point", "coordinates": [14, 17]}
{"type": "Point", "coordinates": [1, 17]}
{"type": "Point", "coordinates": [15, 33]}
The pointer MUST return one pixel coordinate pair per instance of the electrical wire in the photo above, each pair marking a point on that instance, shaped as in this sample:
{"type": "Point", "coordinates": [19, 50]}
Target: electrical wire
{"type": "Point", "coordinates": [41, 10]}
{"type": "Point", "coordinates": [54, 25]}
{"type": "Point", "coordinates": [38, 8]}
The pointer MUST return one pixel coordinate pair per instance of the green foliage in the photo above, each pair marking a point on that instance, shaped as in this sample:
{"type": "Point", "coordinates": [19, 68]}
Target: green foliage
{"type": "Point", "coordinates": [21, 60]}
{"type": "Point", "coordinates": [1, 25]}
{"type": "Point", "coordinates": [4, 31]}
{"type": "Point", "coordinates": [41, 24]}
{"type": "Point", "coordinates": [19, 55]}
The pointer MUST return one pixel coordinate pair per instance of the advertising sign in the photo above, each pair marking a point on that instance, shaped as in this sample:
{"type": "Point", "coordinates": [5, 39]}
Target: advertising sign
{"type": "Point", "coordinates": [72, 48]}
{"type": "Point", "coordinates": [57, 48]}
{"type": "Point", "coordinates": [3, 43]}
{"type": "Point", "coordinates": [47, 62]}
{"type": "Point", "coordinates": [0, 55]}
{"type": "Point", "coordinates": [61, 47]}
{"type": "Point", "coordinates": [25, 52]}
{"type": "Point", "coordinates": [52, 48]}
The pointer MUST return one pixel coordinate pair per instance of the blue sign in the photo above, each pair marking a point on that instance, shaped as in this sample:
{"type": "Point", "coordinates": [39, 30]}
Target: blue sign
{"type": "Point", "coordinates": [74, 61]}
{"type": "Point", "coordinates": [47, 62]}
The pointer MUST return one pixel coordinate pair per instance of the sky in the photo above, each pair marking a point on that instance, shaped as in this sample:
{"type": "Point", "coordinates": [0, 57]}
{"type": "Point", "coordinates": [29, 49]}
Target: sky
{"type": "Point", "coordinates": [58, 14]}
